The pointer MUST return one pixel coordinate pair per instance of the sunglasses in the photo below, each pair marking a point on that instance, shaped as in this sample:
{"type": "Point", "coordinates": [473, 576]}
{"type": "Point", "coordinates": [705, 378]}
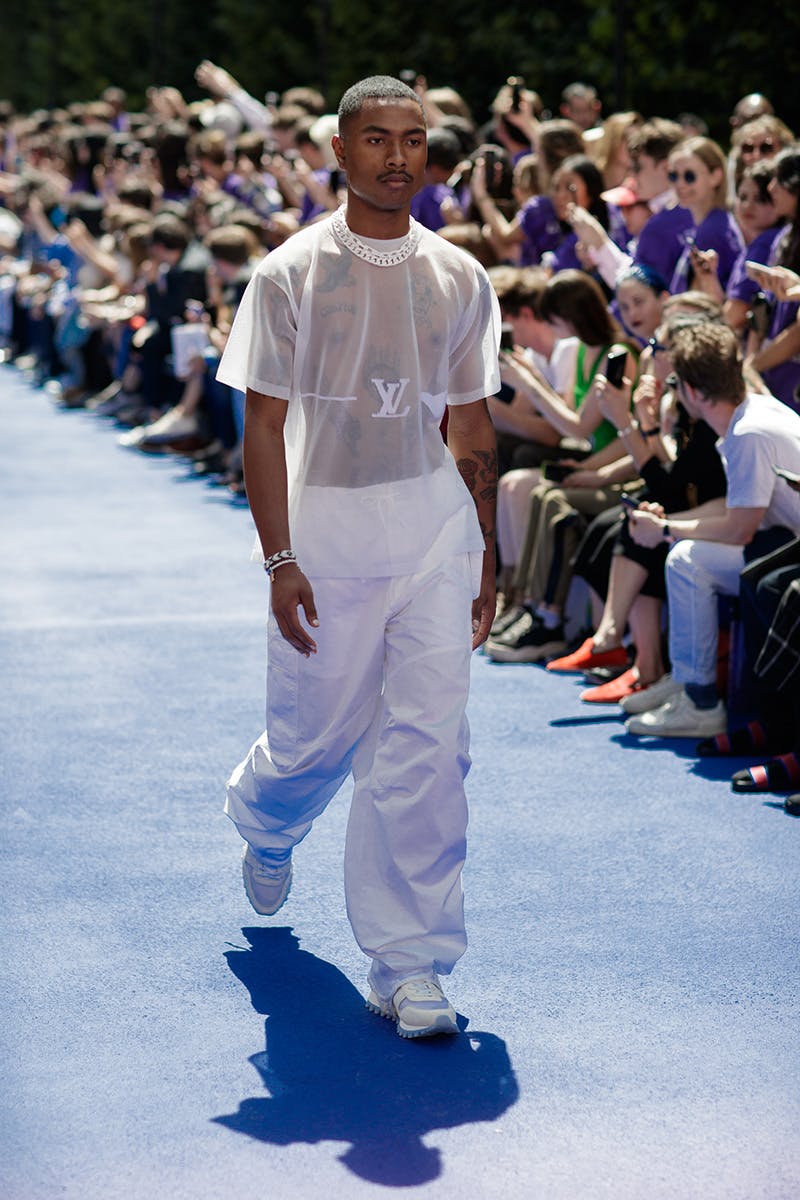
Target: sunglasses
{"type": "Point", "coordinates": [687, 176]}
{"type": "Point", "coordinates": [763, 147]}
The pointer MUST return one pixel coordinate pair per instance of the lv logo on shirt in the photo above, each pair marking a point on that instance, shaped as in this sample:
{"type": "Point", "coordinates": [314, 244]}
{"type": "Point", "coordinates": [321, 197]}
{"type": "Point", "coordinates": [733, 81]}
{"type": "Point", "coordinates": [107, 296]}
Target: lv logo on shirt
{"type": "Point", "coordinates": [391, 393]}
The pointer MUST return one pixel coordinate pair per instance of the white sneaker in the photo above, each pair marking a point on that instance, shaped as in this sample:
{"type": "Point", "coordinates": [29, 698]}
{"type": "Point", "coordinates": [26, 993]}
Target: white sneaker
{"type": "Point", "coordinates": [419, 1007]}
{"type": "Point", "coordinates": [173, 424]}
{"type": "Point", "coordinates": [133, 437]}
{"type": "Point", "coordinates": [267, 886]}
{"type": "Point", "coordinates": [679, 717]}
{"type": "Point", "coordinates": [651, 697]}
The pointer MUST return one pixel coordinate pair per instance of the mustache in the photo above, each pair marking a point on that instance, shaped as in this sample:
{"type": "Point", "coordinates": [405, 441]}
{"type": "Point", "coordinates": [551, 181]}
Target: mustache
{"type": "Point", "coordinates": [395, 175]}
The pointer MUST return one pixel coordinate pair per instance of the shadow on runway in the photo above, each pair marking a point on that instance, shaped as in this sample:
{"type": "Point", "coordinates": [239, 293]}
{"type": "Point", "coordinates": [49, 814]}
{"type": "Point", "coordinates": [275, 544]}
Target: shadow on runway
{"type": "Point", "coordinates": [336, 1072]}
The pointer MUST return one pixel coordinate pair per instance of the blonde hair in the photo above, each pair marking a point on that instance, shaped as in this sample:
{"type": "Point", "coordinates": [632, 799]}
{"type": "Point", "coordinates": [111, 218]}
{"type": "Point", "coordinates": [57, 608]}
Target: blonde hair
{"type": "Point", "coordinates": [450, 102]}
{"type": "Point", "coordinates": [616, 130]}
{"type": "Point", "coordinates": [712, 157]}
{"type": "Point", "coordinates": [693, 302]}
{"type": "Point", "coordinates": [526, 172]}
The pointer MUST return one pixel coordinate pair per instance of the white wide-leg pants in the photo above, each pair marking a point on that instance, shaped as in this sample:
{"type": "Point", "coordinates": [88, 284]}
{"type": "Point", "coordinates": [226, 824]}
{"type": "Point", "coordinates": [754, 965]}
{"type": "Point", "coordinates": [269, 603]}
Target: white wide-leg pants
{"type": "Point", "coordinates": [385, 698]}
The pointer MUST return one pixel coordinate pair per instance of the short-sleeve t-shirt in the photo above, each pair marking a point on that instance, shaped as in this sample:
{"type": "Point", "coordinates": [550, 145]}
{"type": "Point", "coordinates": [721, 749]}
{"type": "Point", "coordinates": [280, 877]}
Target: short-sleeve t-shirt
{"type": "Point", "coordinates": [717, 232]}
{"type": "Point", "coordinates": [763, 434]}
{"type": "Point", "coordinates": [541, 227]}
{"type": "Point", "coordinates": [661, 243]}
{"type": "Point", "coordinates": [368, 354]}
{"type": "Point", "coordinates": [426, 205]}
{"type": "Point", "coordinates": [740, 285]}
{"type": "Point", "coordinates": [783, 380]}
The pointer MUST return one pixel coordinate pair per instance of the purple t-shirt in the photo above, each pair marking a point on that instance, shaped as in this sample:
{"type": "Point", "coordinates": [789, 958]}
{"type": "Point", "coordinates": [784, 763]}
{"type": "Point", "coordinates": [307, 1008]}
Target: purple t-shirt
{"type": "Point", "coordinates": [426, 206]}
{"type": "Point", "coordinates": [309, 209]}
{"type": "Point", "coordinates": [563, 258]}
{"type": "Point", "coordinates": [740, 285]}
{"type": "Point", "coordinates": [784, 379]}
{"type": "Point", "coordinates": [660, 243]}
{"type": "Point", "coordinates": [542, 229]}
{"type": "Point", "coordinates": [719, 232]}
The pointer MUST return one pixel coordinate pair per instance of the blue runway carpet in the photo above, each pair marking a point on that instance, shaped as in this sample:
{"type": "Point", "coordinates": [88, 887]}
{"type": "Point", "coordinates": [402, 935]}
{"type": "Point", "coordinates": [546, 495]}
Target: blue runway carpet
{"type": "Point", "coordinates": [629, 1001]}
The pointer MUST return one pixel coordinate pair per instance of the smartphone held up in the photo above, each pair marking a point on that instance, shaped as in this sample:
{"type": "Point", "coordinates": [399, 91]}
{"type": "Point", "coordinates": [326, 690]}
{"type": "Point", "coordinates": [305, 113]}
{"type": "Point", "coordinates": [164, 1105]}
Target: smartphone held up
{"type": "Point", "coordinates": [615, 367]}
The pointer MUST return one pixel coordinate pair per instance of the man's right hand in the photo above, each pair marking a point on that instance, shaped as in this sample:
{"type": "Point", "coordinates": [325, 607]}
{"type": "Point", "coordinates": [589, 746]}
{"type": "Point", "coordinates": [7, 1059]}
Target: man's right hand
{"type": "Point", "coordinates": [290, 591]}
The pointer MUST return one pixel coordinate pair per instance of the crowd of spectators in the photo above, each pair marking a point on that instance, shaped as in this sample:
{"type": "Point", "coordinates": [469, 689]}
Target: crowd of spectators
{"type": "Point", "coordinates": [649, 282]}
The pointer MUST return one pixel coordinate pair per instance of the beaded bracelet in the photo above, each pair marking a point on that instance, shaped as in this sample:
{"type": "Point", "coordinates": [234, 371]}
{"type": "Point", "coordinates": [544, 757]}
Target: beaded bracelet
{"type": "Point", "coordinates": [278, 559]}
{"type": "Point", "coordinates": [632, 428]}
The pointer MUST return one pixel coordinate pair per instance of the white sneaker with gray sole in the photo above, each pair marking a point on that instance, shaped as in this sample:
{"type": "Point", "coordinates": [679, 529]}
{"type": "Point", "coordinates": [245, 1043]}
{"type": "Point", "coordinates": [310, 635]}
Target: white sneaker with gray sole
{"type": "Point", "coordinates": [679, 717]}
{"type": "Point", "coordinates": [419, 1007]}
{"type": "Point", "coordinates": [267, 886]}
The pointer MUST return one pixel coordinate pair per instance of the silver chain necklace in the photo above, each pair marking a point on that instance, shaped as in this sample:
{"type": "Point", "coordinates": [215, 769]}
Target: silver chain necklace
{"type": "Point", "coordinates": [378, 258]}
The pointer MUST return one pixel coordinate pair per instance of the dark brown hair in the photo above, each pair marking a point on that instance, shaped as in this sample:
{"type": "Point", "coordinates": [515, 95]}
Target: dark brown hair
{"type": "Point", "coordinates": [578, 299]}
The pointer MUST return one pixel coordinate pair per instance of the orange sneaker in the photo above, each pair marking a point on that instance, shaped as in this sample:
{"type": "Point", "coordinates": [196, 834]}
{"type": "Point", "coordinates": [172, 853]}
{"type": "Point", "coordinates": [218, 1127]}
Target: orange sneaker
{"type": "Point", "coordinates": [586, 658]}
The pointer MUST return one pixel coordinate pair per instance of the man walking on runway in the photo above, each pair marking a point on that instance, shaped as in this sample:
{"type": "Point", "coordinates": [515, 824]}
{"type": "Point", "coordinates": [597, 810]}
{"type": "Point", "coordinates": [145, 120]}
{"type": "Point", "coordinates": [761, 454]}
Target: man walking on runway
{"type": "Point", "coordinates": [352, 341]}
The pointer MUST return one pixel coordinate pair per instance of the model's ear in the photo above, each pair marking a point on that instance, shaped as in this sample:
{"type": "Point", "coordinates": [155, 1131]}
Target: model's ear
{"type": "Point", "coordinates": [338, 149]}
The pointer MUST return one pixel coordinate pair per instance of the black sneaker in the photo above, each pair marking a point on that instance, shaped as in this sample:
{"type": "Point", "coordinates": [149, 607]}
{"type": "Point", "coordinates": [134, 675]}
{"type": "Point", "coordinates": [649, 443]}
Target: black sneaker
{"type": "Point", "coordinates": [600, 675]}
{"type": "Point", "coordinates": [522, 617]}
{"type": "Point", "coordinates": [506, 619]}
{"type": "Point", "coordinates": [528, 640]}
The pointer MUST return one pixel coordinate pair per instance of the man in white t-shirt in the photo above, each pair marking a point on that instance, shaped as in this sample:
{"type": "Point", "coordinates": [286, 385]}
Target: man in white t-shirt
{"type": "Point", "coordinates": [352, 341]}
{"type": "Point", "coordinates": [757, 434]}
{"type": "Point", "coordinates": [524, 437]}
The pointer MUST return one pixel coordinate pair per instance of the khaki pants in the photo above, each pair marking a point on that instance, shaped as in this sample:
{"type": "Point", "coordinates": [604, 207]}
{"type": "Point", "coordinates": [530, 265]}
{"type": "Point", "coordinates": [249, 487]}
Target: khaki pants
{"type": "Point", "coordinates": [557, 520]}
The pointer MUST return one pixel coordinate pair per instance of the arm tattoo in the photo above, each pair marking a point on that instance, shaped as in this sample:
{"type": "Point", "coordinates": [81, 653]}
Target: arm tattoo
{"type": "Point", "coordinates": [479, 473]}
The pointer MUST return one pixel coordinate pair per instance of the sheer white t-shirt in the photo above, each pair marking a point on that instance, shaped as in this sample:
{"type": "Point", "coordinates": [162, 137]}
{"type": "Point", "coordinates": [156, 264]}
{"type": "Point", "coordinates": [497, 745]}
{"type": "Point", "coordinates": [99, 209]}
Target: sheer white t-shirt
{"type": "Point", "coordinates": [368, 355]}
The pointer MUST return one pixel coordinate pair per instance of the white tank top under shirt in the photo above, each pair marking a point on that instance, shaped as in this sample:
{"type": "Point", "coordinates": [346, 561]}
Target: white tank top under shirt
{"type": "Point", "coordinates": [368, 341]}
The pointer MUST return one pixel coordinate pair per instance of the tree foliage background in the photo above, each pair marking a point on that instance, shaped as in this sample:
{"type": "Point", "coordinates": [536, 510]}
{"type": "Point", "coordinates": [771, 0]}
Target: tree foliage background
{"type": "Point", "coordinates": [658, 56]}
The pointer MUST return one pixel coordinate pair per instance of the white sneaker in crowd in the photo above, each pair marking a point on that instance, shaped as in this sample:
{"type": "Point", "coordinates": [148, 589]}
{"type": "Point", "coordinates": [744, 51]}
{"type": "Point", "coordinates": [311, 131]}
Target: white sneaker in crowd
{"type": "Point", "coordinates": [679, 717]}
{"type": "Point", "coordinates": [651, 697]}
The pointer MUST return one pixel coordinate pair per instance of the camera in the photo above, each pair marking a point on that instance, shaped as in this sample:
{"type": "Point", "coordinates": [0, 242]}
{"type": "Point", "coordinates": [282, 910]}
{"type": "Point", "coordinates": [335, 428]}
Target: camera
{"type": "Point", "coordinates": [408, 76]}
{"type": "Point", "coordinates": [615, 367]}
{"type": "Point", "coordinates": [506, 336]}
{"type": "Point", "coordinates": [516, 83]}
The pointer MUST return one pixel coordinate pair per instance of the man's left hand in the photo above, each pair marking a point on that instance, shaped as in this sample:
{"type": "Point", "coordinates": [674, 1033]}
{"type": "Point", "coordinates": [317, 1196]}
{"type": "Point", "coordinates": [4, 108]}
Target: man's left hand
{"type": "Point", "coordinates": [484, 607]}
